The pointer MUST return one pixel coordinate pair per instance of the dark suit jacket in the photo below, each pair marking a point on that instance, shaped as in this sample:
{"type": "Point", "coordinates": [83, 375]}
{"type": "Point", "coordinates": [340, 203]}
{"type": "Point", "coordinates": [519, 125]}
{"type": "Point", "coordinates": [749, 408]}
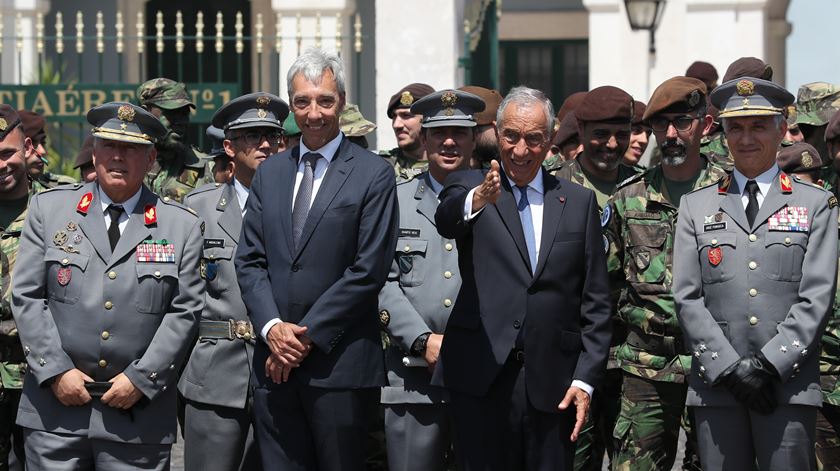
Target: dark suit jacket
{"type": "Point", "coordinates": [331, 282]}
{"type": "Point", "coordinates": [564, 307]}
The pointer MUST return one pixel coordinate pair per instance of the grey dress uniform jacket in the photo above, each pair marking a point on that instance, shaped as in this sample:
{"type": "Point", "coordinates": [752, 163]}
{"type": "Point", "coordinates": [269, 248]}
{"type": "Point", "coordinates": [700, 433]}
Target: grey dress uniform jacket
{"type": "Point", "coordinates": [219, 370]}
{"type": "Point", "coordinates": [768, 288]}
{"type": "Point", "coordinates": [422, 285]}
{"type": "Point", "coordinates": [78, 305]}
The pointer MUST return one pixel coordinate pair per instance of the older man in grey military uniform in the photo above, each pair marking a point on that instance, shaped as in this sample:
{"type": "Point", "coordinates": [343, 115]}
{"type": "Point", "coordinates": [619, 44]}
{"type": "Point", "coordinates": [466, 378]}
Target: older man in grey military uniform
{"type": "Point", "coordinates": [216, 381]}
{"type": "Point", "coordinates": [754, 275]}
{"type": "Point", "coordinates": [424, 280]}
{"type": "Point", "coordinates": [106, 298]}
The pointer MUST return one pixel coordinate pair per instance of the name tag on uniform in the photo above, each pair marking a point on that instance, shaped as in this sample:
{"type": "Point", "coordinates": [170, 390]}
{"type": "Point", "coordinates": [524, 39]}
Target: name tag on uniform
{"type": "Point", "coordinates": [789, 219]}
{"type": "Point", "coordinates": [409, 232]}
{"type": "Point", "coordinates": [160, 251]}
{"type": "Point", "coordinates": [714, 222]}
{"type": "Point", "coordinates": [210, 243]}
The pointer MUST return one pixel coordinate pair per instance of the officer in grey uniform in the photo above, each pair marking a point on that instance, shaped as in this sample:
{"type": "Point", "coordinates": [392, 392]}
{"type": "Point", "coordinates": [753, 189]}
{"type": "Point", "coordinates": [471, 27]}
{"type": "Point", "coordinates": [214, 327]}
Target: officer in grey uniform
{"type": "Point", "coordinates": [216, 382]}
{"type": "Point", "coordinates": [754, 275]}
{"type": "Point", "coordinates": [424, 280]}
{"type": "Point", "coordinates": [106, 298]}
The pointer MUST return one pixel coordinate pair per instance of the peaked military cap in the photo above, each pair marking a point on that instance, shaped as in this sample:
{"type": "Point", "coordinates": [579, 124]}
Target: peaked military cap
{"type": "Point", "coordinates": [164, 93]}
{"type": "Point", "coordinates": [258, 109]}
{"type": "Point", "coordinates": [677, 95]}
{"type": "Point", "coordinates": [9, 120]}
{"type": "Point", "coordinates": [750, 96]}
{"type": "Point", "coordinates": [407, 96]}
{"type": "Point", "coordinates": [448, 108]}
{"type": "Point", "coordinates": [799, 157]}
{"type": "Point", "coordinates": [125, 122]}
{"type": "Point", "coordinates": [217, 138]}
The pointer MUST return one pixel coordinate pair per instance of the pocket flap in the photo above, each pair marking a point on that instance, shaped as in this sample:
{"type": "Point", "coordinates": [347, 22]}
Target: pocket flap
{"type": "Point", "coordinates": [647, 235]}
{"type": "Point", "coordinates": [412, 245]}
{"type": "Point", "coordinates": [61, 257]}
{"type": "Point", "coordinates": [785, 238]}
{"type": "Point", "coordinates": [217, 253]}
{"type": "Point", "coordinates": [157, 270]}
{"type": "Point", "coordinates": [714, 240]}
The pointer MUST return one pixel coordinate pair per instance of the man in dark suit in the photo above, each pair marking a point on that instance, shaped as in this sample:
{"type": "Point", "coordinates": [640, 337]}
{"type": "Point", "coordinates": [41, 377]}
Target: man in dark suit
{"type": "Point", "coordinates": [317, 240]}
{"type": "Point", "coordinates": [528, 336]}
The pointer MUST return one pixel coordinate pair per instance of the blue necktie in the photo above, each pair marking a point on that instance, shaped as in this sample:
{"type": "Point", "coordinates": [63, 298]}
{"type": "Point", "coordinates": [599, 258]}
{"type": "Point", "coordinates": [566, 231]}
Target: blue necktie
{"type": "Point", "coordinates": [524, 208]}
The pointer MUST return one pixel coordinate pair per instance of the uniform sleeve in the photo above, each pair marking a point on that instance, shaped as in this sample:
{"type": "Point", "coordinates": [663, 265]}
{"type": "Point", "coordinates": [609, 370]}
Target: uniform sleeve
{"type": "Point", "coordinates": [158, 368]}
{"type": "Point", "coordinates": [616, 249]}
{"type": "Point", "coordinates": [405, 324]}
{"type": "Point", "coordinates": [805, 319]}
{"type": "Point", "coordinates": [38, 333]}
{"type": "Point", "coordinates": [702, 334]}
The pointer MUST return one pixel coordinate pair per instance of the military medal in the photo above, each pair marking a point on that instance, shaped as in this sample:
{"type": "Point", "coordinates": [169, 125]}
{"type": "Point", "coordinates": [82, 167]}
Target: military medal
{"type": "Point", "coordinates": [715, 256]}
{"type": "Point", "coordinates": [150, 215]}
{"type": "Point", "coordinates": [77, 239]}
{"type": "Point", "coordinates": [155, 251]}
{"type": "Point", "coordinates": [64, 275]}
{"type": "Point", "coordinates": [71, 226]}
{"type": "Point", "coordinates": [84, 203]}
{"type": "Point", "coordinates": [60, 238]}
{"type": "Point", "coordinates": [789, 219]}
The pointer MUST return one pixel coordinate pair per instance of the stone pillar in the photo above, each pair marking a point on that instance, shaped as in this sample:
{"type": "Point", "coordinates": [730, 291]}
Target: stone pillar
{"type": "Point", "coordinates": [20, 65]}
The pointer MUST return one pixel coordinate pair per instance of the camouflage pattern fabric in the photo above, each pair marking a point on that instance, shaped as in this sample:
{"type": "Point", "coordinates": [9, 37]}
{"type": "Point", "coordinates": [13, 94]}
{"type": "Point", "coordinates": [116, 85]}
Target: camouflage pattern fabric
{"type": "Point", "coordinates": [49, 180]}
{"type": "Point", "coordinates": [352, 123]}
{"type": "Point", "coordinates": [164, 93]}
{"type": "Point", "coordinates": [714, 147]}
{"type": "Point", "coordinates": [831, 181]}
{"type": "Point", "coordinates": [595, 438]}
{"type": "Point", "coordinates": [405, 168]}
{"type": "Point", "coordinates": [572, 171]}
{"type": "Point", "coordinates": [552, 162]}
{"type": "Point", "coordinates": [175, 174]}
{"type": "Point", "coordinates": [816, 103]}
{"type": "Point", "coordinates": [827, 445]}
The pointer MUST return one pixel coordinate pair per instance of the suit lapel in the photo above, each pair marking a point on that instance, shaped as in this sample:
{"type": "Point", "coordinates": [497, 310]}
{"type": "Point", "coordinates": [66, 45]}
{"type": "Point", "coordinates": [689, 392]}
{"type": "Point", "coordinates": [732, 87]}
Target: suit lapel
{"type": "Point", "coordinates": [289, 170]}
{"type": "Point", "coordinates": [506, 206]}
{"type": "Point", "coordinates": [554, 201]}
{"type": "Point", "coordinates": [231, 218]}
{"type": "Point", "coordinates": [93, 225]}
{"type": "Point", "coordinates": [336, 175]}
{"type": "Point", "coordinates": [731, 204]}
{"type": "Point", "coordinates": [428, 202]}
{"type": "Point", "coordinates": [773, 201]}
{"type": "Point", "coordinates": [135, 230]}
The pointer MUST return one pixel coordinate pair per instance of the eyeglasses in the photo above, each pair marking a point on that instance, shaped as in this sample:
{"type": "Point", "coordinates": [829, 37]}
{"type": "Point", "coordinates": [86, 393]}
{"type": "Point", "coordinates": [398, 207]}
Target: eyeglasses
{"type": "Point", "coordinates": [532, 140]}
{"type": "Point", "coordinates": [683, 123]}
{"type": "Point", "coordinates": [254, 138]}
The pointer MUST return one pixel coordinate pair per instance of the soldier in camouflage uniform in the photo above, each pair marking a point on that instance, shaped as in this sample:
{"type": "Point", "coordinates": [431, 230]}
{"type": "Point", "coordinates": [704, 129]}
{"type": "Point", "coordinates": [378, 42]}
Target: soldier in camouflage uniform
{"type": "Point", "coordinates": [816, 104]}
{"type": "Point", "coordinates": [178, 168]}
{"type": "Point", "coordinates": [15, 193]}
{"type": "Point", "coordinates": [640, 220]}
{"type": "Point", "coordinates": [408, 158]}
{"type": "Point", "coordinates": [34, 127]}
{"type": "Point", "coordinates": [354, 125]}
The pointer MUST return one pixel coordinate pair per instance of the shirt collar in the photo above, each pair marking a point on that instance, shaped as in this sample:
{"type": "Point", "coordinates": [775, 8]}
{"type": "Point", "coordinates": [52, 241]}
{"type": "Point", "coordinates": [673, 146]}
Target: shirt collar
{"type": "Point", "coordinates": [242, 193]}
{"type": "Point", "coordinates": [764, 181]}
{"type": "Point", "coordinates": [128, 205]}
{"type": "Point", "coordinates": [327, 151]}
{"type": "Point", "coordinates": [436, 185]}
{"type": "Point", "coordinates": [536, 184]}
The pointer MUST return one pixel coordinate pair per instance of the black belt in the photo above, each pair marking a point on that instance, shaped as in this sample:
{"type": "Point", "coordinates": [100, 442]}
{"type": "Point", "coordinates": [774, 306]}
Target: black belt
{"type": "Point", "coordinates": [659, 345]}
{"type": "Point", "coordinates": [229, 329]}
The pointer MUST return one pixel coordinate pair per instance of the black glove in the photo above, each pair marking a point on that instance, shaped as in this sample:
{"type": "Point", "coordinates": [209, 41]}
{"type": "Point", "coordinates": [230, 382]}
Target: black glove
{"type": "Point", "coordinates": [751, 382]}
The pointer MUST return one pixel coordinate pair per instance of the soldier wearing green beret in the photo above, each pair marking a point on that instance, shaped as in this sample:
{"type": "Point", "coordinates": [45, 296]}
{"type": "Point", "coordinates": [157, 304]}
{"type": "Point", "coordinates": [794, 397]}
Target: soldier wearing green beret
{"type": "Point", "coordinates": [408, 158]}
{"type": "Point", "coordinates": [291, 133]}
{"type": "Point", "coordinates": [178, 168]}
{"type": "Point", "coordinates": [816, 104]}
{"type": "Point", "coordinates": [640, 220]}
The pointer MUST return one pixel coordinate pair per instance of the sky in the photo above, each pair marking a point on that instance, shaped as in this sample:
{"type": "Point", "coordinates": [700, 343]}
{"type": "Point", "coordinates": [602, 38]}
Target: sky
{"type": "Point", "coordinates": [812, 52]}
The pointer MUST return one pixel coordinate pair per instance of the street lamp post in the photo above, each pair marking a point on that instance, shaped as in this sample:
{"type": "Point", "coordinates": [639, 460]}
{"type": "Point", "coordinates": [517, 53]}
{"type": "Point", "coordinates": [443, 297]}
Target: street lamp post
{"type": "Point", "coordinates": [645, 15]}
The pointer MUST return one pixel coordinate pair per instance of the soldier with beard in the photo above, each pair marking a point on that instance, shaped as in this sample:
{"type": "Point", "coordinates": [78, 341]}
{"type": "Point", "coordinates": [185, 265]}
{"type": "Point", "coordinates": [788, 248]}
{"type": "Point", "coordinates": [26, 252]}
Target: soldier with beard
{"type": "Point", "coordinates": [640, 221]}
{"type": "Point", "coordinates": [178, 168]}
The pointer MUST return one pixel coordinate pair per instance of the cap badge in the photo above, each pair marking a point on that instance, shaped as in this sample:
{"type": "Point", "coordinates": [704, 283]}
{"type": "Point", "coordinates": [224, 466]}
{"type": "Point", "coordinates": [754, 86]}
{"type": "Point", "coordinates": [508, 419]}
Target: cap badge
{"type": "Point", "coordinates": [449, 99]}
{"type": "Point", "coordinates": [125, 113]}
{"type": "Point", "coordinates": [745, 87]}
{"type": "Point", "coordinates": [3, 124]}
{"type": "Point", "coordinates": [449, 111]}
{"type": "Point", "coordinates": [263, 101]}
{"type": "Point", "coordinates": [694, 98]}
{"type": "Point", "coordinates": [406, 98]}
{"type": "Point", "coordinates": [807, 160]}
{"type": "Point", "coordinates": [261, 113]}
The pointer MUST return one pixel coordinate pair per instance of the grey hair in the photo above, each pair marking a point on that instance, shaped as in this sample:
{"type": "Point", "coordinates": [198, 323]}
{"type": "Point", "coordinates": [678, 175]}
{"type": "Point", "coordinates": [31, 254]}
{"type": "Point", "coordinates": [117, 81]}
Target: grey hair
{"type": "Point", "coordinates": [312, 64]}
{"type": "Point", "coordinates": [524, 96]}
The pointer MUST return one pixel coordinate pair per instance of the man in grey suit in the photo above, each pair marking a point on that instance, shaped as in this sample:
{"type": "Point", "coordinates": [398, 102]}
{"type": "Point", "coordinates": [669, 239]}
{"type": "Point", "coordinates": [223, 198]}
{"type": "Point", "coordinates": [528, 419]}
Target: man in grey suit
{"type": "Point", "coordinates": [422, 284]}
{"type": "Point", "coordinates": [754, 274]}
{"type": "Point", "coordinates": [106, 298]}
{"type": "Point", "coordinates": [216, 382]}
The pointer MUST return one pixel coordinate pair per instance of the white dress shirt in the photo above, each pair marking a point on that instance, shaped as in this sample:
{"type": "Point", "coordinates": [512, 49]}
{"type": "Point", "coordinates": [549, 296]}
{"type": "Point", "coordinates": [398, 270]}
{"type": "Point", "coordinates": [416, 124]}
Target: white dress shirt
{"type": "Point", "coordinates": [764, 181]}
{"type": "Point", "coordinates": [242, 193]}
{"type": "Point", "coordinates": [536, 198]}
{"type": "Point", "coordinates": [328, 152]}
{"type": "Point", "coordinates": [128, 207]}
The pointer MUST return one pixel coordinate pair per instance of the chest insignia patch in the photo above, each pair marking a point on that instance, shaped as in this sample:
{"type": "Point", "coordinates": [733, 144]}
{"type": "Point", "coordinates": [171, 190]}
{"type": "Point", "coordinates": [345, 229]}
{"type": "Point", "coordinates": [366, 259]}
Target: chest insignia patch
{"type": "Point", "coordinates": [64, 275]}
{"type": "Point", "coordinates": [715, 256]}
{"type": "Point", "coordinates": [790, 219]}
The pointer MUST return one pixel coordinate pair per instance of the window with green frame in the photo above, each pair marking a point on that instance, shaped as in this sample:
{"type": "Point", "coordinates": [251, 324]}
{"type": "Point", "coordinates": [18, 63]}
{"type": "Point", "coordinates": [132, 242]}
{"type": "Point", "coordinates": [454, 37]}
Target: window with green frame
{"type": "Point", "coordinates": [558, 68]}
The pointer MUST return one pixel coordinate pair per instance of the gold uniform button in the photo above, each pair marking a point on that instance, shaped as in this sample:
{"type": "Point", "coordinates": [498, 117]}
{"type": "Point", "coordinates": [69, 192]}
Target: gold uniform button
{"type": "Point", "coordinates": [448, 247]}
{"type": "Point", "coordinates": [447, 274]}
{"type": "Point", "coordinates": [108, 305]}
{"type": "Point", "coordinates": [753, 320]}
{"type": "Point", "coordinates": [787, 240]}
{"type": "Point", "coordinates": [105, 335]}
{"type": "Point", "coordinates": [112, 274]}
{"type": "Point", "coordinates": [407, 249]}
{"type": "Point", "coordinates": [753, 292]}
{"type": "Point", "coordinates": [753, 238]}
{"type": "Point", "coordinates": [65, 261]}
{"type": "Point", "coordinates": [447, 302]}
{"type": "Point", "coordinates": [103, 363]}
{"type": "Point", "coordinates": [753, 265]}
{"type": "Point", "coordinates": [714, 241]}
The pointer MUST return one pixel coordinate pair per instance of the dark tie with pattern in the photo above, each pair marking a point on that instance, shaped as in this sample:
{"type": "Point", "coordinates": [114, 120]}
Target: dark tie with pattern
{"type": "Point", "coordinates": [303, 199]}
{"type": "Point", "coordinates": [114, 211]}
{"type": "Point", "coordinates": [752, 204]}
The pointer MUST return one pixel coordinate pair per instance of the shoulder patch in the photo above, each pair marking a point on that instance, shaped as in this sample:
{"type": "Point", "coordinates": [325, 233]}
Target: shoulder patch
{"type": "Point", "coordinates": [173, 203]}
{"type": "Point", "coordinates": [605, 215]}
{"type": "Point", "coordinates": [832, 202]}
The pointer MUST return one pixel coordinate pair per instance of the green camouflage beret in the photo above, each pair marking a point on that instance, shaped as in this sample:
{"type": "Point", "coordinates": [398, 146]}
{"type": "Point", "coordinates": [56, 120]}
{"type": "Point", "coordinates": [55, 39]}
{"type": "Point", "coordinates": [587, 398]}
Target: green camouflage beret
{"type": "Point", "coordinates": [163, 93]}
{"type": "Point", "coordinates": [816, 103]}
{"type": "Point", "coordinates": [352, 123]}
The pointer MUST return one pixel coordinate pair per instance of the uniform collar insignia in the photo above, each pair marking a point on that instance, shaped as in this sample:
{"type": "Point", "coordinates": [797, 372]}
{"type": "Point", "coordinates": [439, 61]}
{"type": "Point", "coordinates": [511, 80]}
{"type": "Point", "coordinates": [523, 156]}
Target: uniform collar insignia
{"type": "Point", "coordinates": [150, 215]}
{"type": "Point", "coordinates": [723, 185]}
{"type": "Point", "coordinates": [785, 184]}
{"type": "Point", "coordinates": [84, 203]}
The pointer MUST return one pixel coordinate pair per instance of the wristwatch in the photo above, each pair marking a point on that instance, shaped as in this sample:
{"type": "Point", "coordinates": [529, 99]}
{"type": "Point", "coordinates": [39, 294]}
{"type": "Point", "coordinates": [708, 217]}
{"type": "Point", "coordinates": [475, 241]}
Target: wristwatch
{"type": "Point", "coordinates": [418, 348]}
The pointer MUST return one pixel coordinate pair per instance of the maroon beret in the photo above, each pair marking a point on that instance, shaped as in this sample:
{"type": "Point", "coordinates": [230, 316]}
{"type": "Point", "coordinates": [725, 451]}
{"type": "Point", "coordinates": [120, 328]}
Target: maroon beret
{"type": "Point", "coordinates": [606, 104]}
{"type": "Point", "coordinates": [748, 67]}
{"type": "Point", "coordinates": [569, 104]}
{"type": "Point", "coordinates": [33, 124]}
{"type": "Point", "coordinates": [799, 157]}
{"type": "Point", "coordinates": [407, 96]}
{"type": "Point", "coordinates": [677, 95]}
{"type": "Point", "coordinates": [85, 155]}
{"type": "Point", "coordinates": [702, 71]}
{"type": "Point", "coordinates": [9, 120]}
{"type": "Point", "coordinates": [638, 111]}
{"type": "Point", "coordinates": [567, 130]}
{"type": "Point", "coordinates": [492, 100]}
{"type": "Point", "coordinates": [832, 130]}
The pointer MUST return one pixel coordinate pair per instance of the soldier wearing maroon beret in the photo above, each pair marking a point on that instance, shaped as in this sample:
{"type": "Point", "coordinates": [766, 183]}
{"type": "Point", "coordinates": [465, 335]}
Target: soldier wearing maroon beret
{"type": "Point", "coordinates": [486, 145]}
{"type": "Point", "coordinates": [34, 127]}
{"type": "Point", "coordinates": [408, 157]}
{"type": "Point", "coordinates": [639, 135]}
{"type": "Point", "coordinates": [704, 72]}
{"type": "Point", "coordinates": [84, 161]}
{"type": "Point", "coordinates": [565, 142]}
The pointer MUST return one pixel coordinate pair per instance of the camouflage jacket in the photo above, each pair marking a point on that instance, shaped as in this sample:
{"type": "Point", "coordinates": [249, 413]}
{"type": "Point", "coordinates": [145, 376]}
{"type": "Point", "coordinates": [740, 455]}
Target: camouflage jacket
{"type": "Point", "coordinates": [572, 171]}
{"type": "Point", "coordinates": [405, 167]}
{"type": "Point", "coordinates": [830, 355]}
{"type": "Point", "coordinates": [640, 221]}
{"type": "Point", "coordinates": [175, 175]}
{"type": "Point", "coordinates": [552, 162]}
{"type": "Point", "coordinates": [12, 361]}
{"type": "Point", "coordinates": [714, 147]}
